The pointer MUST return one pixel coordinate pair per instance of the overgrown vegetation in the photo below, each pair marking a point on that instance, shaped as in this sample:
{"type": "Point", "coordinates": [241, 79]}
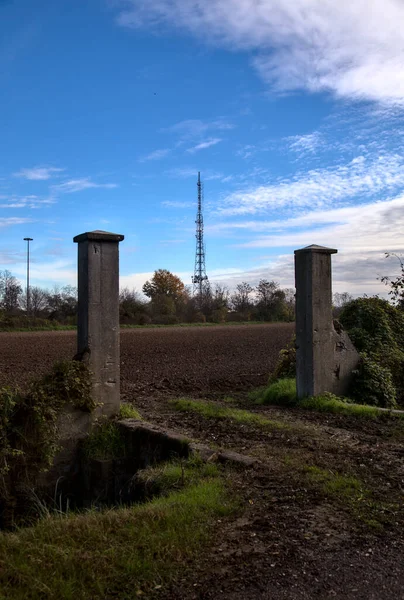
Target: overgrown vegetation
{"type": "Point", "coordinates": [105, 442]}
{"type": "Point", "coordinates": [377, 330]}
{"type": "Point", "coordinates": [286, 364]}
{"type": "Point", "coordinates": [123, 553]}
{"type": "Point", "coordinates": [29, 427]}
{"type": "Point", "coordinates": [211, 410]}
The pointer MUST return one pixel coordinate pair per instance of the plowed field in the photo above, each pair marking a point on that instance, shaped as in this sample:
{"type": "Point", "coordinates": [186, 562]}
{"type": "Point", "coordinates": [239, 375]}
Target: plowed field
{"type": "Point", "coordinates": [172, 359]}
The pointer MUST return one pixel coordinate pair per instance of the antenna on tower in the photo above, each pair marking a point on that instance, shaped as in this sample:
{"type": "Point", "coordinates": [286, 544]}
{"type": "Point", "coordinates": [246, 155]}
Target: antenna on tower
{"type": "Point", "coordinates": [200, 279]}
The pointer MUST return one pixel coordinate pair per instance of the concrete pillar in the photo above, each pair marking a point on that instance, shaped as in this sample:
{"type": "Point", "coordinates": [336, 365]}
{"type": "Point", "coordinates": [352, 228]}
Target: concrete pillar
{"type": "Point", "coordinates": [98, 314]}
{"type": "Point", "coordinates": [325, 357]}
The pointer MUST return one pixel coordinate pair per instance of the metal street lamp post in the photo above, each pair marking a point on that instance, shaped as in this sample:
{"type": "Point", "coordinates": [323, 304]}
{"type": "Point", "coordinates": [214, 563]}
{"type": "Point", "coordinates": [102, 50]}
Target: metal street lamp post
{"type": "Point", "coordinates": [28, 240]}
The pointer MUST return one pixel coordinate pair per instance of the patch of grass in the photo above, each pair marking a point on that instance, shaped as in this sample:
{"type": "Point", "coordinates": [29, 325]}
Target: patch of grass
{"type": "Point", "coordinates": [128, 411]}
{"type": "Point", "coordinates": [283, 393]}
{"type": "Point", "coordinates": [331, 404]}
{"type": "Point", "coordinates": [211, 410]}
{"type": "Point", "coordinates": [351, 494]}
{"type": "Point", "coordinates": [335, 485]}
{"type": "Point", "coordinates": [122, 553]}
{"type": "Point", "coordinates": [104, 443]}
{"type": "Point", "coordinates": [280, 393]}
{"type": "Point", "coordinates": [164, 478]}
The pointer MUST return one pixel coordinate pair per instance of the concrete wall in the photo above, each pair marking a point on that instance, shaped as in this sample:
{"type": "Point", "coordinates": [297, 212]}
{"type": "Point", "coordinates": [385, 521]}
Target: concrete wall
{"type": "Point", "coordinates": [325, 356]}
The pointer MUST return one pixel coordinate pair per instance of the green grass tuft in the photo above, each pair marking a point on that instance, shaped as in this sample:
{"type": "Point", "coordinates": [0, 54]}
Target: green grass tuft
{"type": "Point", "coordinates": [128, 411]}
{"type": "Point", "coordinates": [211, 410]}
{"type": "Point", "coordinates": [122, 553]}
{"type": "Point", "coordinates": [280, 393]}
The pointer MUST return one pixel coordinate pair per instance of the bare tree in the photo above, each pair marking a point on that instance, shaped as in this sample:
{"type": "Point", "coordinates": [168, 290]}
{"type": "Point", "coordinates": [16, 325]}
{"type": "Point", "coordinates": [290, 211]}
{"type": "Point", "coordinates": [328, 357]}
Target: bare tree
{"type": "Point", "coordinates": [241, 298]}
{"type": "Point", "coordinates": [10, 291]}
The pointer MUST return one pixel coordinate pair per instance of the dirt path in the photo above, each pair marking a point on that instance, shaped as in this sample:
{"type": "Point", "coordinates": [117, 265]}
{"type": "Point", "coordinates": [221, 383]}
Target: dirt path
{"type": "Point", "coordinates": [322, 512]}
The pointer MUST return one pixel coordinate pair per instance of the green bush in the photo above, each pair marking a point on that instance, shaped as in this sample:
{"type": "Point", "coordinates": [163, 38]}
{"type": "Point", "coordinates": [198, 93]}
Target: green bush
{"type": "Point", "coordinates": [373, 384]}
{"type": "Point", "coordinates": [280, 393]}
{"type": "Point", "coordinates": [377, 330]}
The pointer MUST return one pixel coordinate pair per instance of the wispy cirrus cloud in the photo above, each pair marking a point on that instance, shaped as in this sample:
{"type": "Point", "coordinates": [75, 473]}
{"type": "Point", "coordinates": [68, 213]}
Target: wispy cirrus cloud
{"type": "Point", "coordinates": [8, 221]}
{"type": "Point", "coordinates": [304, 144]}
{"type": "Point", "coordinates": [30, 201]}
{"type": "Point", "coordinates": [177, 204]}
{"type": "Point", "coordinates": [193, 128]}
{"type": "Point", "coordinates": [320, 187]}
{"type": "Point", "coordinates": [38, 173]}
{"type": "Point", "coordinates": [192, 172]}
{"type": "Point", "coordinates": [317, 45]}
{"type": "Point", "coordinates": [203, 145]}
{"type": "Point", "coordinates": [155, 155]}
{"type": "Point", "coordinates": [78, 185]}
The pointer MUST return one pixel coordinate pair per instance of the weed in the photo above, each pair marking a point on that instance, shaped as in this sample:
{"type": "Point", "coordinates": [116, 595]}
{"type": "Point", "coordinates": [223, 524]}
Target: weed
{"type": "Point", "coordinates": [211, 410]}
{"type": "Point", "coordinates": [128, 411]}
{"type": "Point", "coordinates": [104, 443]}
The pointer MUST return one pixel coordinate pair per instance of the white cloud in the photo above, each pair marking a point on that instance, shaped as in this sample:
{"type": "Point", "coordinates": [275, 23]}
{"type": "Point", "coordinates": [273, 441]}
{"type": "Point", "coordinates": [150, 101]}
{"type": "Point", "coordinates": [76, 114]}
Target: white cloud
{"type": "Point", "coordinates": [47, 274]}
{"type": "Point", "coordinates": [320, 187]}
{"type": "Point", "coordinates": [38, 173]}
{"type": "Point", "coordinates": [175, 204]}
{"type": "Point", "coordinates": [207, 175]}
{"type": "Point", "coordinates": [353, 49]}
{"type": "Point", "coordinates": [78, 185]}
{"type": "Point", "coordinates": [8, 221]}
{"type": "Point", "coordinates": [30, 201]}
{"type": "Point", "coordinates": [303, 144]}
{"type": "Point", "coordinates": [192, 128]}
{"type": "Point", "coordinates": [156, 155]}
{"type": "Point", "coordinates": [204, 145]}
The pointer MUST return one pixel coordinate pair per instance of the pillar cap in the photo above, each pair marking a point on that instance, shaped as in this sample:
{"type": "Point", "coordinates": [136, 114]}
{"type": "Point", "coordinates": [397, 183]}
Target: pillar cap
{"type": "Point", "coordinates": [315, 248]}
{"type": "Point", "coordinates": [99, 236]}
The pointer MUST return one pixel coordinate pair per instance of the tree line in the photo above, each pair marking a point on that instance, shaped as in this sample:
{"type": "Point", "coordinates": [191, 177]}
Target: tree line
{"type": "Point", "coordinates": [165, 300]}
{"type": "Point", "coordinates": [169, 300]}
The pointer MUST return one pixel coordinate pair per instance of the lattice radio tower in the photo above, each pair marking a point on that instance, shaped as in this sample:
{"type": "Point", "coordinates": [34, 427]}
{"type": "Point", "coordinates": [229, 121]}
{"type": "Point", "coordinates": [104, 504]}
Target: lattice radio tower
{"type": "Point", "coordinates": [200, 279]}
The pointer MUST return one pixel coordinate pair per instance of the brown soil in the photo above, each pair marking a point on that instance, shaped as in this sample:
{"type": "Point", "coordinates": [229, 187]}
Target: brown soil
{"type": "Point", "coordinates": [293, 538]}
{"type": "Point", "coordinates": [179, 359]}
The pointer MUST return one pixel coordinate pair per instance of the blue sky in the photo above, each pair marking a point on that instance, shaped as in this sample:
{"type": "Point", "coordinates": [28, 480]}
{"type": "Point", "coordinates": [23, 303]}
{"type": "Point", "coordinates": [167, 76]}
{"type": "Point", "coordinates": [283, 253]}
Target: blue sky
{"type": "Point", "coordinates": [293, 115]}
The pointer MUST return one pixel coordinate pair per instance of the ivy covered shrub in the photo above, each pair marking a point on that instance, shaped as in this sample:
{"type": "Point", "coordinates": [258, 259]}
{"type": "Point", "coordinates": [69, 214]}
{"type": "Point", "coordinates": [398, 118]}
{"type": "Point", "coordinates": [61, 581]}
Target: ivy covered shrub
{"type": "Point", "coordinates": [29, 428]}
{"type": "Point", "coordinates": [377, 330]}
{"type": "Point", "coordinates": [373, 384]}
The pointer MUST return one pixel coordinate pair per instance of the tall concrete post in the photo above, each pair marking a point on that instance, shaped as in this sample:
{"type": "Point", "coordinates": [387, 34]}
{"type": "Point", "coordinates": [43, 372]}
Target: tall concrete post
{"type": "Point", "coordinates": [325, 357]}
{"type": "Point", "coordinates": [98, 314]}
